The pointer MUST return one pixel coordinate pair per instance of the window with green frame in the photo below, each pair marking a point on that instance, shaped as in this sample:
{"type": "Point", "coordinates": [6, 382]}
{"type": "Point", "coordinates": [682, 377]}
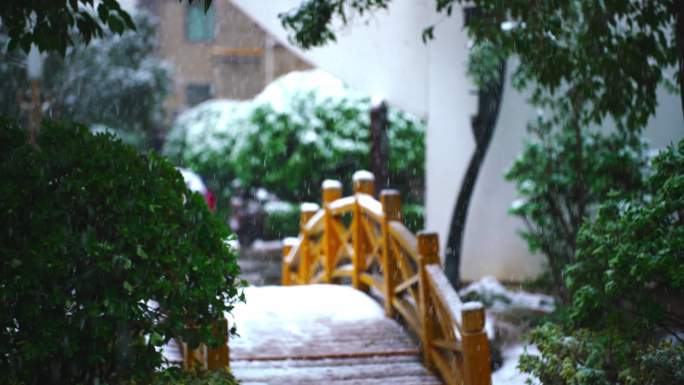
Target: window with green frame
{"type": "Point", "coordinates": [199, 25]}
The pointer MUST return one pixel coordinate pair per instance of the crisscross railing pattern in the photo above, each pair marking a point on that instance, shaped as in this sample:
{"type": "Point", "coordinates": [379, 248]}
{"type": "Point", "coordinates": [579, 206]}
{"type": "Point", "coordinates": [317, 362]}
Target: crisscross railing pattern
{"type": "Point", "coordinates": [362, 241]}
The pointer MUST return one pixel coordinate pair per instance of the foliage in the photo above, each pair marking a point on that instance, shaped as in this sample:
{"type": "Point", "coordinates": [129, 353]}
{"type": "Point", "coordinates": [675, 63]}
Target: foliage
{"type": "Point", "coordinates": [413, 217]}
{"type": "Point", "coordinates": [662, 364]}
{"type": "Point", "coordinates": [592, 358]}
{"type": "Point", "coordinates": [613, 54]}
{"type": "Point", "coordinates": [626, 286]}
{"type": "Point", "coordinates": [311, 21]}
{"type": "Point", "coordinates": [115, 81]}
{"type": "Point", "coordinates": [291, 154]}
{"type": "Point", "coordinates": [282, 220]}
{"type": "Point", "coordinates": [50, 25]}
{"type": "Point", "coordinates": [579, 358]}
{"type": "Point", "coordinates": [289, 147]}
{"type": "Point", "coordinates": [484, 63]}
{"type": "Point", "coordinates": [610, 55]}
{"type": "Point", "coordinates": [631, 259]}
{"type": "Point", "coordinates": [561, 181]}
{"type": "Point", "coordinates": [106, 256]}
{"type": "Point", "coordinates": [175, 376]}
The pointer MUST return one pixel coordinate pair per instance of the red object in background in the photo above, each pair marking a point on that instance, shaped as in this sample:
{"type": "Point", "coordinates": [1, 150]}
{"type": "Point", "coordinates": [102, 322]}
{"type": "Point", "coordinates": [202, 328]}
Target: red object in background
{"type": "Point", "coordinates": [211, 201]}
{"type": "Point", "coordinates": [195, 183]}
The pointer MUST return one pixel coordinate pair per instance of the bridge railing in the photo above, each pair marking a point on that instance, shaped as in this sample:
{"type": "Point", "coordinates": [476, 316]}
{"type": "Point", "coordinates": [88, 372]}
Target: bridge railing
{"type": "Point", "coordinates": [361, 240]}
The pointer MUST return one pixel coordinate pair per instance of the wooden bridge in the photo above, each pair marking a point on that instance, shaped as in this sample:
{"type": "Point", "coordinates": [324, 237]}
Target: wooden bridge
{"type": "Point", "coordinates": [398, 322]}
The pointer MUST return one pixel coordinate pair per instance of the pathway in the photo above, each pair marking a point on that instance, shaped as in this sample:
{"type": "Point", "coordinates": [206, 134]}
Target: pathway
{"type": "Point", "coordinates": [321, 334]}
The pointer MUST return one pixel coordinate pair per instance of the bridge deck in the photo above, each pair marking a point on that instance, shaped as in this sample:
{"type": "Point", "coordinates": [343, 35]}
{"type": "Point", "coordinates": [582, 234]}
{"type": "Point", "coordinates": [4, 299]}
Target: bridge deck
{"type": "Point", "coordinates": [321, 334]}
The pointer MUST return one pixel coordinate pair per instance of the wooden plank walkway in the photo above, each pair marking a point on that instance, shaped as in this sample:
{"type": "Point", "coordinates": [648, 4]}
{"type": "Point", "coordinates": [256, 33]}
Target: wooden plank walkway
{"type": "Point", "coordinates": [321, 334]}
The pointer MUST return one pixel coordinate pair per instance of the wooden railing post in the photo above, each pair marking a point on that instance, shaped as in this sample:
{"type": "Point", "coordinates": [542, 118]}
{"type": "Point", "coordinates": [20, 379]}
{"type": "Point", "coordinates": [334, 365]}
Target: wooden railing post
{"type": "Point", "coordinates": [285, 272]}
{"type": "Point", "coordinates": [476, 365]}
{"type": "Point", "coordinates": [218, 357]}
{"type": "Point", "coordinates": [306, 211]}
{"type": "Point", "coordinates": [332, 190]}
{"type": "Point", "coordinates": [363, 183]}
{"type": "Point", "coordinates": [206, 357]}
{"type": "Point", "coordinates": [193, 357]}
{"type": "Point", "coordinates": [428, 253]}
{"type": "Point", "coordinates": [391, 206]}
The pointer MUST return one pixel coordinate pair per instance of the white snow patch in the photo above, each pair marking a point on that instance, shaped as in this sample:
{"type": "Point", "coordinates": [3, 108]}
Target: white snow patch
{"type": "Point", "coordinates": [473, 305]}
{"type": "Point", "coordinates": [262, 194]}
{"type": "Point", "coordinates": [490, 289]}
{"type": "Point", "coordinates": [390, 191]}
{"type": "Point", "coordinates": [322, 84]}
{"type": "Point", "coordinates": [517, 204]}
{"type": "Point", "coordinates": [309, 136]}
{"type": "Point", "coordinates": [299, 311]}
{"type": "Point", "coordinates": [508, 25]}
{"type": "Point", "coordinates": [371, 204]}
{"type": "Point", "coordinates": [363, 175]}
{"type": "Point", "coordinates": [278, 207]}
{"type": "Point", "coordinates": [291, 241]}
{"type": "Point", "coordinates": [192, 180]}
{"type": "Point", "coordinates": [309, 207]}
{"type": "Point", "coordinates": [342, 202]}
{"type": "Point", "coordinates": [234, 244]}
{"type": "Point", "coordinates": [331, 184]}
{"type": "Point", "coordinates": [508, 373]}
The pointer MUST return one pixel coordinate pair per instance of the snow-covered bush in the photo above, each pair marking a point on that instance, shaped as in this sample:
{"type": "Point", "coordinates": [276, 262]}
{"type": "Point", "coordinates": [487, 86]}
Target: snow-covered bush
{"type": "Point", "coordinates": [115, 81]}
{"type": "Point", "coordinates": [303, 128]}
{"type": "Point", "coordinates": [282, 220]}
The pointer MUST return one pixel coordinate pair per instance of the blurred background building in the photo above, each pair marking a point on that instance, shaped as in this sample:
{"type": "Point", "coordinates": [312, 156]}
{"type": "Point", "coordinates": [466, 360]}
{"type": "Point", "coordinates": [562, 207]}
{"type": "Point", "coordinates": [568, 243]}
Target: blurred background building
{"type": "Point", "coordinates": [220, 54]}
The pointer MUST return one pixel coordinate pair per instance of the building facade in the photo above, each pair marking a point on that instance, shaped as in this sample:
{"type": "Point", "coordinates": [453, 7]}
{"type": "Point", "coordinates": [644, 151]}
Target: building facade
{"type": "Point", "coordinates": [218, 54]}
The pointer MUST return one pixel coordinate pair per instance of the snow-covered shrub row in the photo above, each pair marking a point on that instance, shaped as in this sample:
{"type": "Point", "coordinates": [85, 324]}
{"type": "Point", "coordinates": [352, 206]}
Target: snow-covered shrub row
{"type": "Point", "coordinates": [303, 128]}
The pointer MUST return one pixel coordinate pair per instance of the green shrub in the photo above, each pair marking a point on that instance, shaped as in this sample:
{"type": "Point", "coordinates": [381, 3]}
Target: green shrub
{"type": "Point", "coordinates": [282, 220]}
{"type": "Point", "coordinates": [413, 217]}
{"type": "Point", "coordinates": [662, 364]}
{"type": "Point", "coordinates": [578, 358]}
{"type": "Point", "coordinates": [561, 181]}
{"type": "Point", "coordinates": [291, 146]}
{"type": "Point", "coordinates": [625, 285]}
{"type": "Point", "coordinates": [94, 235]}
{"type": "Point", "coordinates": [587, 357]}
{"type": "Point", "coordinates": [630, 260]}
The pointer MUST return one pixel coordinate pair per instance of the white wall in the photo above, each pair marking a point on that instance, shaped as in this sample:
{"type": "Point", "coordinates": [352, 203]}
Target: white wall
{"type": "Point", "coordinates": [387, 58]}
{"type": "Point", "coordinates": [382, 55]}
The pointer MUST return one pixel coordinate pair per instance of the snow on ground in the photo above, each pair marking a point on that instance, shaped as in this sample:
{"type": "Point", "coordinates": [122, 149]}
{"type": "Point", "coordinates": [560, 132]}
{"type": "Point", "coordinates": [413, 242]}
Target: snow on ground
{"type": "Point", "coordinates": [299, 317]}
{"type": "Point", "coordinates": [497, 297]}
{"type": "Point", "coordinates": [508, 374]}
{"type": "Point", "coordinates": [508, 317]}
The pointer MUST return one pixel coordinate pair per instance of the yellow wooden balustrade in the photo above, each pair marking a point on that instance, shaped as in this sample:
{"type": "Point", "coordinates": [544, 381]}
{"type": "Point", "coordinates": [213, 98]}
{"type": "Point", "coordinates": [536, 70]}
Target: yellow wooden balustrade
{"type": "Point", "coordinates": [205, 357]}
{"type": "Point", "coordinates": [361, 240]}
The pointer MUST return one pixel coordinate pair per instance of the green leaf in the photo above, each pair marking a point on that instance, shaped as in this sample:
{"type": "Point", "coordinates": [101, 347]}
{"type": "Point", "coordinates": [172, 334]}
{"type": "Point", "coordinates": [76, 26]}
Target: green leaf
{"type": "Point", "coordinates": [141, 253]}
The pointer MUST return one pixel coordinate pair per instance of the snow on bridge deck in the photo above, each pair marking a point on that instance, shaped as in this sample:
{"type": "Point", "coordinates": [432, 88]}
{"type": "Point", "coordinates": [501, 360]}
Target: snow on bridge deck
{"type": "Point", "coordinates": [321, 334]}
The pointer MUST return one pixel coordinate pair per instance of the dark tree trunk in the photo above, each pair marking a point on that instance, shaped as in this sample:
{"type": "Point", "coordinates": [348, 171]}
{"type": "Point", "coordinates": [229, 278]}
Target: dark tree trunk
{"type": "Point", "coordinates": [379, 151]}
{"type": "Point", "coordinates": [483, 125]}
